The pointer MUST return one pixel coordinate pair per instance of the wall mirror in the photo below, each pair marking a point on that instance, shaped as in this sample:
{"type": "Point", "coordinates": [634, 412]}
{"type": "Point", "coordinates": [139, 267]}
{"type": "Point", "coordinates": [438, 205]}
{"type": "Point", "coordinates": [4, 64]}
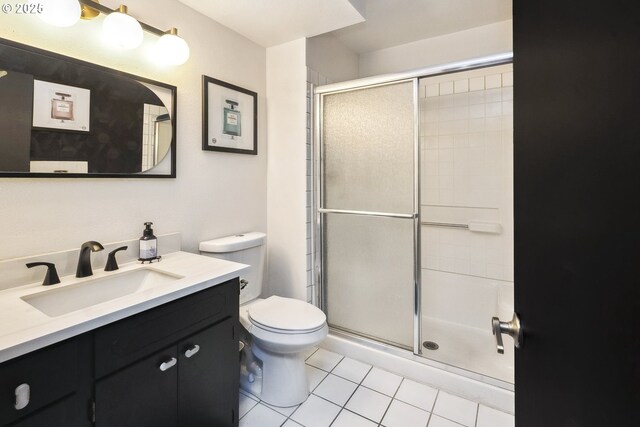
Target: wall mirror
{"type": "Point", "coordinates": [62, 117]}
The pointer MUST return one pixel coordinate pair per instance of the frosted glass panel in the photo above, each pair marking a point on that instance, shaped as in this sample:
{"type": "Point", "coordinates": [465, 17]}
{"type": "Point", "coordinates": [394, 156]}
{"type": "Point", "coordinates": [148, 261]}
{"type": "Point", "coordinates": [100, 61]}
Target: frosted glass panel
{"type": "Point", "coordinates": [368, 273]}
{"type": "Point", "coordinates": [368, 149]}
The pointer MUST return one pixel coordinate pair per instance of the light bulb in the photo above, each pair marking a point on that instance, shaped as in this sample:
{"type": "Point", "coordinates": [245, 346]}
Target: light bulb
{"type": "Point", "coordinates": [61, 13]}
{"type": "Point", "coordinates": [121, 30]}
{"type": "Point", "coordinates": [172, 49]}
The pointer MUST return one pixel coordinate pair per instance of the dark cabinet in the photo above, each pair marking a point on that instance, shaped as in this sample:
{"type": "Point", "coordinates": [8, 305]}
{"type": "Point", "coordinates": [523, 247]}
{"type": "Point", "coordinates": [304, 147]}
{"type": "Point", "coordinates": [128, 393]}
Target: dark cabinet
{"type": "Point", "coordinates": [173, 365]}
{"type": "Point", "coordinates": [203, 393]}
{"type": "Point", "coordinates": [46, 385]}
{"type": "Point", "coordinates": [143, 394]}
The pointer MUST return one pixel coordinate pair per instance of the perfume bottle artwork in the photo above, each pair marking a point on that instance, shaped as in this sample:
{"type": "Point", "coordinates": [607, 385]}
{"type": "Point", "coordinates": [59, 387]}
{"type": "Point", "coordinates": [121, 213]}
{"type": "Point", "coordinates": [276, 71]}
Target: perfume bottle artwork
{"type": "Point", "coordinates": [231, 123]}
{"type": "Point", "coordinates": [62, 109]}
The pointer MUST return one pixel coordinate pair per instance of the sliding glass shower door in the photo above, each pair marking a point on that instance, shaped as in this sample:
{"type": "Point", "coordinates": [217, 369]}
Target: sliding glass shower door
{"type": "Point", "coordinates": [368, 211]}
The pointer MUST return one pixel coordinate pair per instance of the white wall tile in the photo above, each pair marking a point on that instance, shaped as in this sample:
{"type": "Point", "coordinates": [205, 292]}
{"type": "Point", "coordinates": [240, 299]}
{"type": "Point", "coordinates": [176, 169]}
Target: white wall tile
{"type": "Point", "coordinates": [461, 86]}
{"type": "Point", "coordinates": [476, 83]}
{"type": "Point", "coordinates": [446, 88]}
{"type": "Point", "coordinates": [432, 90]}
{"type": "Point", "coordinates": [507, 79]}
{"type": "Point", "coordinates": [493, 81]}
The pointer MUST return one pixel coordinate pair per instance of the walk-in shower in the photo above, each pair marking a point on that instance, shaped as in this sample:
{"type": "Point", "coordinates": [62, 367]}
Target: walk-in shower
{"type": "Point", "coordinates": [414, 221]}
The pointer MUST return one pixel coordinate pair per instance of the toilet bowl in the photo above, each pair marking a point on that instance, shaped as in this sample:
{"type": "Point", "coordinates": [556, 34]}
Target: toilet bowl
{"type": "Point", "coordinates": [281, 329]}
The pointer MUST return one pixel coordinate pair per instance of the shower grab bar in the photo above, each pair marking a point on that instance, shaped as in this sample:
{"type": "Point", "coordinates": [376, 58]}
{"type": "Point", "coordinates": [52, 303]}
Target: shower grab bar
{"type": "Point", "coordinates": [445, 225]}
{"type": "Point", "coordinates": [368, 213]}
{"type": "Point", "coordinates": [474, 226]}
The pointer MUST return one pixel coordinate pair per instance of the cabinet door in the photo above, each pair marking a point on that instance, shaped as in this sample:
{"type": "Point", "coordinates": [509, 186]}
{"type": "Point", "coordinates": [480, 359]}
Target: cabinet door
{"type": "Point", "coordinates": [143, 394]}
{"type": "Point", "coordinates": [209, 377]}
{"type": "Point", "coordinates": [63, 413]}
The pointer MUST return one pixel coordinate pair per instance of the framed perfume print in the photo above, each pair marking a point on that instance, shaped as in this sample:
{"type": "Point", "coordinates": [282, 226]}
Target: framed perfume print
{"type": "Point", "coordinates": [61, 107]}
{"type": "Point", "coordinates": [230, 117]}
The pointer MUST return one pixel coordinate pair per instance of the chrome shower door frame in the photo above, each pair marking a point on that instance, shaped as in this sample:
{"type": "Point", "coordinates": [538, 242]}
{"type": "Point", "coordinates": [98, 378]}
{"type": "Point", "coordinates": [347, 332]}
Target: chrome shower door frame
{"type": "Point", "coordinates": [320, 212]}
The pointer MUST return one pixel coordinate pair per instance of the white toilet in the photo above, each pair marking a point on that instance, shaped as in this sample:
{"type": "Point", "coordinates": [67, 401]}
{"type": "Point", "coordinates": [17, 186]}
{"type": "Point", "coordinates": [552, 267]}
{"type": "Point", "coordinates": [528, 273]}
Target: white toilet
{"type": "Point", "coordinates": [281, 328]}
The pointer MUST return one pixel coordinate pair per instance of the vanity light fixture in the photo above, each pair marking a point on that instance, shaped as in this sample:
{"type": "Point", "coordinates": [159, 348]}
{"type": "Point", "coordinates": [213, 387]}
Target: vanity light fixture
{"type": "Point", "coordinates": [60, 13]}
{"type": "Point", "coordinates": [172, 49]}
{"type": "Point", "coordinates": [121, 30]}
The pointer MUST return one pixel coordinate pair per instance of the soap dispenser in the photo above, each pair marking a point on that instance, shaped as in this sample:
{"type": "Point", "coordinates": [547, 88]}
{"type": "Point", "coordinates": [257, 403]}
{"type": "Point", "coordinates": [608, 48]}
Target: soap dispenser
{"type": "Point", "coordinates": [148, 244]}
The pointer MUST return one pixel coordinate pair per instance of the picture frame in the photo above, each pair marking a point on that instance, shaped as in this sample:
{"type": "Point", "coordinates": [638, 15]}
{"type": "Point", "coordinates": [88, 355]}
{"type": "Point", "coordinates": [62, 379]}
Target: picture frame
{"type": "Point", "coordinates": [229, 117]}
{"type": "Point", "coordinates": [61, 107]}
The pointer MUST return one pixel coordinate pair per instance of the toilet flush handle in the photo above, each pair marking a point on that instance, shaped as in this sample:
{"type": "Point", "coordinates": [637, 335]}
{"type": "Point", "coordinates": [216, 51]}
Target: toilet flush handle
{"type": "Point", "coordinates": [243, 283]}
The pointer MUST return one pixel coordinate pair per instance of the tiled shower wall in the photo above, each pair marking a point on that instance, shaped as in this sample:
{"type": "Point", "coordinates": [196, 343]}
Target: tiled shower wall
{"type": "Point", "coordinates": [313, 79]}
{"type": "Point", "coordinates": [466, 178]}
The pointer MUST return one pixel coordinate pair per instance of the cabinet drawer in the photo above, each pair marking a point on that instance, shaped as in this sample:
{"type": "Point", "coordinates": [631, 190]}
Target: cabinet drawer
{"type": "Point", "coordinates": [50, 374]}
{"type": "Point", "coordinates": [122, 343]}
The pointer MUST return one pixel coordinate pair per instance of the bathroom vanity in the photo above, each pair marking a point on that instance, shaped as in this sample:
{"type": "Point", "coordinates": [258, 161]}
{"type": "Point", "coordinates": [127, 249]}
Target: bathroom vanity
{"type": "Point", "coordinates": [164, 355]}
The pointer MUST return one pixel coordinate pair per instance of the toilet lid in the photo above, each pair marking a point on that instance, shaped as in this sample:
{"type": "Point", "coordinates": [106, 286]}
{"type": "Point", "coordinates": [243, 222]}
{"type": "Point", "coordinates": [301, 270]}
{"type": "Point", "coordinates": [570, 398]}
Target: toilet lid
{"type": "Point", "coordinates": [286, 314]}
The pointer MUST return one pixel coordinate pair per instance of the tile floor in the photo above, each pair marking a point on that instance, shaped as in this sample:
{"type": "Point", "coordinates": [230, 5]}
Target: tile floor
{"type": "Point", "coordinates": [349, 393]}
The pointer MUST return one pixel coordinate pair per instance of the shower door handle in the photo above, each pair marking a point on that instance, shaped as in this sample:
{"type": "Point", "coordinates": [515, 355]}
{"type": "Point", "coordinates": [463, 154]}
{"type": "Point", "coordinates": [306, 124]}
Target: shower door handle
{"type": "Point", "coordinates": [511, 328]}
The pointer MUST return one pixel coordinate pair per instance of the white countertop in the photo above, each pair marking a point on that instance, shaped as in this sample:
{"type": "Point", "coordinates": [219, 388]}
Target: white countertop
{"type": "Point", "coordinates": [23, 328]}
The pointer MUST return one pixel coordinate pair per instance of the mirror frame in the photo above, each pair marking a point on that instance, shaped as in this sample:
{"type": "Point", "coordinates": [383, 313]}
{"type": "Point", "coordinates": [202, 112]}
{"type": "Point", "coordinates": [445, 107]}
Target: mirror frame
{"type": "Point", "coordinates": [75, 61]}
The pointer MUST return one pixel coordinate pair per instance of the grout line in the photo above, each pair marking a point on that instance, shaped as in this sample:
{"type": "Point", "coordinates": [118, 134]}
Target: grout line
{"type": "Point", "coordinates": [477, 413]}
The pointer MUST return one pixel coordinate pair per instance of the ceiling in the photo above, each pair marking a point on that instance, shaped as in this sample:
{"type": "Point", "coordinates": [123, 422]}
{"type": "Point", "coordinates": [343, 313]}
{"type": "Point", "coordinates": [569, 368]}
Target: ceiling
{"type": "Point", "coordinates": [394, 22]}
{"type": "Point", "coordinates": [272, 22]}
{"type": "Point", "coordinates": [388, 22]}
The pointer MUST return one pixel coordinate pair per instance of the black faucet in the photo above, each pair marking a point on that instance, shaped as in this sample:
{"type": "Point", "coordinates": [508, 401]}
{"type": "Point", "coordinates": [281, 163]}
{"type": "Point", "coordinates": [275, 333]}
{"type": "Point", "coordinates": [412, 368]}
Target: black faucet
{"type": "Point", "coordinates": [84, 261]}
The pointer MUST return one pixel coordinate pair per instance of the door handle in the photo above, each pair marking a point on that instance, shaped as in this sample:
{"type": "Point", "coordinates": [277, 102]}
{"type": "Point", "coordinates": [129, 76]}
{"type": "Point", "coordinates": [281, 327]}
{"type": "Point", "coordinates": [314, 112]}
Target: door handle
{"type": "Point", "coordinates": [511, 328]}
{"type": "Point", "coordinates": [167, 364]}
{"type": "Point", "coordinates": [191, 351]}
{"type": "Point", "coordinates": [23, 395]}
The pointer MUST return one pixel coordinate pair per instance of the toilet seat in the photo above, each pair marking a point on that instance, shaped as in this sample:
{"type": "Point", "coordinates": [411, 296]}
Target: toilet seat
{"type": "Point", "coordinates": [286, 316]}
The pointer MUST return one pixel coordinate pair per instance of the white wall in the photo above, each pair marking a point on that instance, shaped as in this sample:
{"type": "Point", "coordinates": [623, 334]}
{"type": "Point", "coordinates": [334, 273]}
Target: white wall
{"type": "Point", "coordinates": [214, 194]}
{"type": "Point", "coordinates": [476, 42]}
{"type": "Point", "coordinates": [286, 212]}
{"type": "Point", "coordinates": [329, 57]}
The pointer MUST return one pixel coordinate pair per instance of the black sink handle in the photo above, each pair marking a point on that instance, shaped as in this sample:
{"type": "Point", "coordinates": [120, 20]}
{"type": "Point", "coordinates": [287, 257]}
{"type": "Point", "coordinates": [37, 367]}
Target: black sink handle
{"type": "Point", "coordinates": [51, 278]}
{"type": "Point", "coordinates": [112, 264]}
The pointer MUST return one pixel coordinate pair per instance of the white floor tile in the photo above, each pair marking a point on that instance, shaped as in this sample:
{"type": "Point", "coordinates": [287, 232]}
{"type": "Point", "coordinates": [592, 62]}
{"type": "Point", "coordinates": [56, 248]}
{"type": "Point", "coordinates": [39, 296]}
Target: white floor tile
{"type": "Point", "coordinates": [417, 394]}
{"type": "Point", "coordinates": [246, 404]}
{"type": "Point", "coordinates": [456, 409]}
{"type": "Point", "coordinates": [352, 370]}
{"type": "Point", "coordinates": [261, 416]}
{"type": "Point", "coordinates": [401, 414]}
{"type": "Point", "coordinates": [489, 417]}
{"type": "Point", "coordinates": [382, 381]}
{"type": "Point", "coordinates": [316, 412]}
{"type": "Point", "coordinates": [437, 421]}
{"type": "Point", "coordinates": [335, 389]}
{"type": "Point", "coordinates": [291, 423]}
{"type": "Point", "coordinates": [349, 419]}
{"type": "Point", "coordinates": [307, 353]}
{"type": "Point", "coordinates": [324, 359]}
{"type": "Point", "coordinates": [284, 411]}
{"type": "Point", "coordinates": [315, 376]}
{"type": "Point", "coordinates": [368, 403]}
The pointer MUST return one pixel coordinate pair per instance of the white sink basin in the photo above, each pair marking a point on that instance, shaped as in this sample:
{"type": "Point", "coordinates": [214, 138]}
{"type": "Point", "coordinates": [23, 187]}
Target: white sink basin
{"type": "Point", "coordinates": [59, 301]}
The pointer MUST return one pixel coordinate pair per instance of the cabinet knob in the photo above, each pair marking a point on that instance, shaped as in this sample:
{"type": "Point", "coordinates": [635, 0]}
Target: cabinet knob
{"type": "Point", "coordinates": [168, 364]}
{"type": "Point", "coordinates": [23, 395]}
{"type": "Point", "coordinates": [191, 351]}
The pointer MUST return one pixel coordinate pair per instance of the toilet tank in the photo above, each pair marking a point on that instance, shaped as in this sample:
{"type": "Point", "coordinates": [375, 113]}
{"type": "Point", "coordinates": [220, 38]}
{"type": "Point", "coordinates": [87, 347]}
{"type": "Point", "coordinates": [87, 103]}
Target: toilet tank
{"type": "Point", "coordinates": [246, 248]}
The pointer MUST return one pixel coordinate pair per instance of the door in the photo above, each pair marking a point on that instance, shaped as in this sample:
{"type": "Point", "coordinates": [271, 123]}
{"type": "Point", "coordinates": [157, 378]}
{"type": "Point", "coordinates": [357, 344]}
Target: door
{"type": "Point", "coordinates": [209, 369]}
{"type": "Point", "coordinates": [141, 395]}
{"type": "Point", "coordinates": [368, 211]}
{"type": "Point", "coordinates": [577, 206]}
